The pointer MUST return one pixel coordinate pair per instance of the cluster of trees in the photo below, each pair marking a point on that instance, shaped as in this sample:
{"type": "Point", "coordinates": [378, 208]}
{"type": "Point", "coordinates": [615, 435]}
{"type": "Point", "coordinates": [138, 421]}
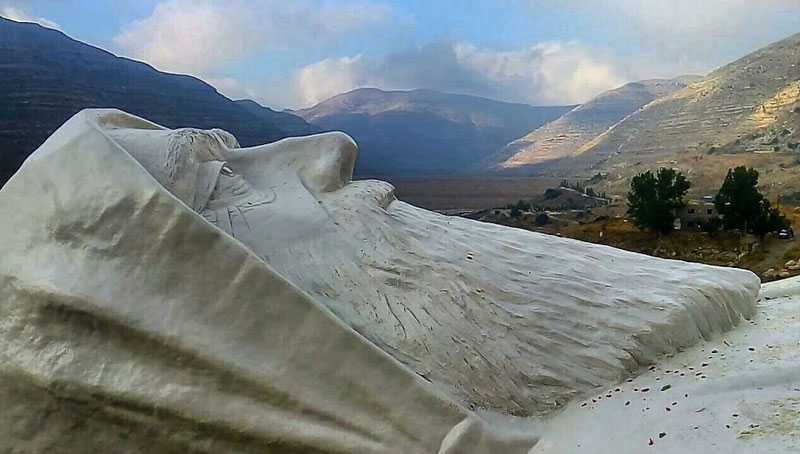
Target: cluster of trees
{"type": "Point", "coordinates": [578, 186]}
{"type": "Point", "coordinates": [522, 206]}
{"type": "Point", "coordinates": [743, 207]}
{"type": "Point", "coordinates": [654, 200]}
{"type": "Point", "coordinates": [582, 188]}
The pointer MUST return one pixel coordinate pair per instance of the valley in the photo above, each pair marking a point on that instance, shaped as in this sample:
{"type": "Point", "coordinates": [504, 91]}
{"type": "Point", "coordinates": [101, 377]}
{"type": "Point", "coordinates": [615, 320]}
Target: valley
{"type": "Point", "coordinates": [425, 132]}
{"type": "Point", "coordinates": [453, 194]}
{"type": "Point", "coordinates": [467, 155]}
{"type": "Point", "coordinates": [430, 143]}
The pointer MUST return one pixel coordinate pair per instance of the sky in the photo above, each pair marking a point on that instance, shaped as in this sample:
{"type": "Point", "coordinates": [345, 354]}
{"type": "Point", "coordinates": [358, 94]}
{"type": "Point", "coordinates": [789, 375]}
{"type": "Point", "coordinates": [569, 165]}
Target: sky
{"type": "Point", "coordinates": [292, 54]}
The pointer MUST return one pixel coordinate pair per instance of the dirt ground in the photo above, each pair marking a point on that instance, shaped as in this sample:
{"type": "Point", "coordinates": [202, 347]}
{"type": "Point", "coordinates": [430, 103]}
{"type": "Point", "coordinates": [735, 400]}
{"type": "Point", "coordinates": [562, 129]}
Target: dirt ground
{"type": "Point", "coordinates": [767, 257]}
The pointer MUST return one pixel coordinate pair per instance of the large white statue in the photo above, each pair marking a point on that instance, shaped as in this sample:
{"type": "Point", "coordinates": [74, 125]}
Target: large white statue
{"type": "Point", "coordinates": [166, 290]}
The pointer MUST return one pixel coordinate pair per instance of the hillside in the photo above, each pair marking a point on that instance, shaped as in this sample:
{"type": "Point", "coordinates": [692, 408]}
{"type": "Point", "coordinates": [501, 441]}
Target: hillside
{"type": "Point", "coordinates": [290, 124]}
{"type": "Point", "coordinates": [423, 132]}
{"type": "Point", "coordinates": [564, 136]}
{"type": "Point", "coordinates": [46, 77]}
{"type": "Point", "coordinates": [745, 113]}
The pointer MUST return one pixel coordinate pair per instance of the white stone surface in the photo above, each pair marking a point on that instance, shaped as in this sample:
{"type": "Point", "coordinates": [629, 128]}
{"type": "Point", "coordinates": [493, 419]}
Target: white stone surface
{"type": "Point", "coordinates": [738, 393]}
{"type": "Point", "coordinates": [165, 289]}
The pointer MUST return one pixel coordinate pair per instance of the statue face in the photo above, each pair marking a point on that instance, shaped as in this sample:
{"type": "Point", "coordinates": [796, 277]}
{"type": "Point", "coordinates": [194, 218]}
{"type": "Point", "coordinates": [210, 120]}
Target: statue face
{"type": "Point", "coordinates": [136, 290]}
{"type": "Point", "coordinates": [246, 192]}
{"type": "Point", "coordinates": [185, 161]}
{"type": "Point", "coordinates": [487, 313]}
{"type": "Point", "coordinates": [173, 333]}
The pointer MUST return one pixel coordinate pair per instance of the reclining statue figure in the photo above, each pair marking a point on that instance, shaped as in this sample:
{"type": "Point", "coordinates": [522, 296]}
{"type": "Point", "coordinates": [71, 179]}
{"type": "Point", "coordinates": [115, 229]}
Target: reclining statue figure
{"type": "Point", "coordinates": [166, 290]}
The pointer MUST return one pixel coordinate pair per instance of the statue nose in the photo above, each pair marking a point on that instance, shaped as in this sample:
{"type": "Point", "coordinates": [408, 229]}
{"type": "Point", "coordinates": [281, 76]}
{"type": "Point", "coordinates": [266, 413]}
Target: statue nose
{"type": "Point", "coordinates": [324, 162]}
{"type": "Point", "coordinates": [333, 167]}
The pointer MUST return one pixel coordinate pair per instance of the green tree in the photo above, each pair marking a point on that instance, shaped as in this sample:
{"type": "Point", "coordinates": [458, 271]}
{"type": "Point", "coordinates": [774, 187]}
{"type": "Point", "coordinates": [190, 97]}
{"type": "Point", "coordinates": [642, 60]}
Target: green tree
{"type": "Point", "coordinates": [551, 194]}
{"type": "Point", "coordinates": [742, 206]}
{"type": "Point", "coordinates": [653, 199]}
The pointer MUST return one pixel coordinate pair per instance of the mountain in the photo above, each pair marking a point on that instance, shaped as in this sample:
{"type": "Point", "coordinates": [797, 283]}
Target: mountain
{"type": "Point", "coordinates": [46, 77]}
{"type": "Point", "coordinates": [745, 113]}
{"type": "Point", "coordinates": [564, 136]}
{"type": "Point", "coordinates": [424, 132]}
{"type": "Point", "coordinates": [286, 122]}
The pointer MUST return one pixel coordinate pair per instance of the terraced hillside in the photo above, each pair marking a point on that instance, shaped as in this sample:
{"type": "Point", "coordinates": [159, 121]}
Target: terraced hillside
{"type": "Point", "coordinates": [746, 113]}
{"type": "Point", "coordinates": [566, 135]}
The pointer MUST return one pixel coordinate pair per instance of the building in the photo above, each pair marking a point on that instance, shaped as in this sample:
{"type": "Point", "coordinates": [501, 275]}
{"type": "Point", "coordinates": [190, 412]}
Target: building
{"type": "Point", "coordinates": [695, 214]}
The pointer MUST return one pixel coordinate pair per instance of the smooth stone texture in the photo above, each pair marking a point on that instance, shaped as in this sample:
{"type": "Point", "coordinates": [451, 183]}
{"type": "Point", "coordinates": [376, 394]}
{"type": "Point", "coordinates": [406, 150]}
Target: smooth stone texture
{"type": "Point", "coordinates": [746, 399]}
{"type": "Point", "coordinates": [167, 289]}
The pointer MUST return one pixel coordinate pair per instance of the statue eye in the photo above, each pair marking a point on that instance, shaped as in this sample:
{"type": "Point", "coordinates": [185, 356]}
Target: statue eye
{"type": "Point", "coordinates": [226, 171]}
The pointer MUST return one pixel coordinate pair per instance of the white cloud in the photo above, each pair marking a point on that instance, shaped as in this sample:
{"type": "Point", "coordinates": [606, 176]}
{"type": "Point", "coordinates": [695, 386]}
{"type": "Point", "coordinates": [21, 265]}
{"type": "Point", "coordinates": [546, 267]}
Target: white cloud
{"type": "Point", "coordinates": [548, 73]}
{"type": "Point", "coordinates": [201, 36]}
{"type": "Point", "coordinates": [675, 18]}
{"type": "Point", "coordinates": [329, 77]}
{"type": "Point", "coordinates": [639, 39]}
{"type": "Point", "coordinates": [668, 37]}
{"type": "Point", "coordinates": [182, 37]}
{"type": "Point", "coordinates": [681, 17]}
{"type": "Point", "coordinates": [700, 35]}
{"type": "Point", "coordinates": [18, 15]}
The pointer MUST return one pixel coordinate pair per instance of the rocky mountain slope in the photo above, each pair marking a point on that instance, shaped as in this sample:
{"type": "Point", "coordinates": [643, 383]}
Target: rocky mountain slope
{"type": "Point", "coordinates": [564, 136]}
{"type": "Point", "coordinates": [423, 131]}
{"type": "Point", "coordinates": [745, 113]}
{"type": "Point", "coordinates": [46, 77]}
